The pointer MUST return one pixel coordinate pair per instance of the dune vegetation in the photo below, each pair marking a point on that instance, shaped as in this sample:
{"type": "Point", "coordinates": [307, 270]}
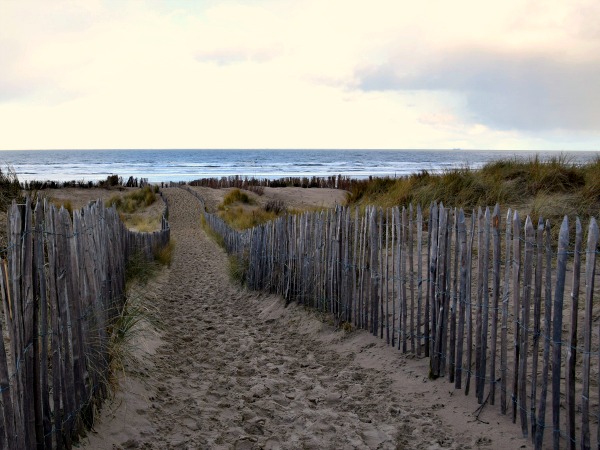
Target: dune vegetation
{"type": "Point", "coordinates": [134, 209]}
{"type": "Point", "coordinates": [550, 189]}
{"type": "Point", "coordinates": [240, 211]}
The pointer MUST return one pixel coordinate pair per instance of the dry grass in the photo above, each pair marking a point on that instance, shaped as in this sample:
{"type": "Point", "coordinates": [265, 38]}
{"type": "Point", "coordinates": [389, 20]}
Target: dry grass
{"type": "Point", "coordinates": [242, 218]}
{"type": "Point", "coordinates": [236, 196]}
{"type": "Point", "coordinates": [552, 188]}
{"type": "Point", "coordinates": [213, 234]}
{"type": "Point", "coordinates": [240, 211]}
{"type": "Point", "coordinates": [237, 269]}
{"type": "Point", "coordinates": [122, 334]}
{"type": "Point", "coordinates": [141, 223]}
{"type": "Point", "coordinates": [136, 315]}
{"type": "Point", "coordinates": [135, 200]}
{"type": "Point", "coordinates": [139, 209]}
{"type": "Point", "coordinates": [164, 255]}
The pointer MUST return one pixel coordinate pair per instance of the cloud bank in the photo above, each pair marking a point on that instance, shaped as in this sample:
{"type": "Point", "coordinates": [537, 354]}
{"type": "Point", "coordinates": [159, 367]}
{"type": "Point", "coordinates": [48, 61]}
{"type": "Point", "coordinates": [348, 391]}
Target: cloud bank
{"type": "Point", "coordinates": [303, 74]}
{"type": "Point", "coordinates": [530, 92]}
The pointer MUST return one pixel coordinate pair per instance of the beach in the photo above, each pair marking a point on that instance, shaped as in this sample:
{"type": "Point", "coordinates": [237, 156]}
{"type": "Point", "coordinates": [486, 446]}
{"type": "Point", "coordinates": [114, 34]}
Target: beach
{"type": "Point", "coordinates": [224, 367]}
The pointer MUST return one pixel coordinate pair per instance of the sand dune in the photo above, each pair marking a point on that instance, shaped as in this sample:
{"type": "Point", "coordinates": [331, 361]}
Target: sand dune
{"type": "Point", "coordinates": [237, 369]}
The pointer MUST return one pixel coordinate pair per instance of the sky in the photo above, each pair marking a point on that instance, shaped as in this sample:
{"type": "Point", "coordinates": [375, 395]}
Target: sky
{"type": "Point", "coordinates": [385, 74]}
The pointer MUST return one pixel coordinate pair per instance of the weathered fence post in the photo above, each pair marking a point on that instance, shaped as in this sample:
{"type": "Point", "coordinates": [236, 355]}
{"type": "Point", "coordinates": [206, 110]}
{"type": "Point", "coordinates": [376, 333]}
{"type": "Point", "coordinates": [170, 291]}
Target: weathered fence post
{"type": "Point", "coordinates": [495, 299]}
{"type": "Point", "coordinates": [561, 270]}
{"type": "Point", "coordinates": [590, 273]}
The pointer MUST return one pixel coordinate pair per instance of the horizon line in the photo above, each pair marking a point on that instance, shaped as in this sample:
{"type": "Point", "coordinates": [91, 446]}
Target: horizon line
{"type": "Point", "coordinates": [297, 149]}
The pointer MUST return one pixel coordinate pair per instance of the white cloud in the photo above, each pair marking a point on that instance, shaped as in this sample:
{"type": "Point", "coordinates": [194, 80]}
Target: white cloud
{"type": "Point", "coordinates": [269, 73]}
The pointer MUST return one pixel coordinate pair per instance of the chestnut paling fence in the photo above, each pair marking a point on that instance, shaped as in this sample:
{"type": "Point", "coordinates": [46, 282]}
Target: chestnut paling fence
{"type": "Point", "coordinates": [62, 283]}
{"type": "Point", "coordinates": [503, 308]}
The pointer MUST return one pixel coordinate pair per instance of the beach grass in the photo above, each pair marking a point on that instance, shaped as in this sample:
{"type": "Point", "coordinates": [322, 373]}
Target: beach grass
{"type": "Point", "coordinates": [134, 201]}
{"type": "Point", "coordinates": [136, 314]}
{"type": "Point", "coordinates": [10, 188]}
{"type": "Point", "coordinates": [141, 223]}
{"type": "Point", "coordinates": [133, 208]}
{"type": "Point", "coordinates": [241, 212]}
{"type": "Point", "coordinates": [140, 269]}
{"type": "Point", "coordinates": [236, 196]}
{"type": "Point", "coordinates": [164, 255]}
{"type": "Point", "coordinates": [551, 188]}
{"type": "Point", "coordinates": [242, 218]}
{"type": "Point", "coordinates": [212, 233]}
{"type": "Point", "coordinates": [237, 269]}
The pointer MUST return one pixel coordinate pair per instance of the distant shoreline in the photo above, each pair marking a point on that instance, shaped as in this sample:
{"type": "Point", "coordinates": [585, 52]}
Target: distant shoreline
{"type": "Point", "coordinates": [186, 165]}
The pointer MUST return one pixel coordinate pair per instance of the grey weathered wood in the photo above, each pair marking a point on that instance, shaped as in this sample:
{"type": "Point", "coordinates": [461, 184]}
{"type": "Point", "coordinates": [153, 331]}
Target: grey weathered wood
{"type": "Point", "coordinates": [453, 308]}
{"type": "Point", "coordinates": [504, 326]}
{"type": "Point", "coordinates": [7, 403]}
{"type": "Point", "coordinates": [430, 322]}
{"type": "Point", "coordinates": [42, 274]}
{"type": "Point", "coordinates": [382, 278]}
{"type": "Point", "coordinates": [462, 303]}
{"type": "Point", "coordinates": [363, 253]}
{"type": "Point", "coordinates": [355, 267]}
{"type": "Point", "coordinates": [16, 313]}
{"type": "Point", "coordinates": [446, 292]}
{"type": "Point", "coordinates": [469, 347]}
{"type": "Point", "coordinates": [419, 278]}
{"type": "Point", "coordinates": [374, 279]}
{"type": "Point", "coordinates": [524, 344]}
{"type": "Point", "coordinates": [485, 301]}
{"type": "Point", "coordinates": [516, 277]}
{"type": "Point", "coordinates": [29, 331]}
{"type": "Point", "coordinates": [590, 273]}
{"type": "Point", "coordinates": [55, 320]}
{"type": "Point", "coordinates": [394, 278]}
{"type": "Point", "coordinates": [572, 347]}
{"type": "Point", "coordinates": [537, 306]}
{"type": "Point", "coordinates": [43, 414]}
{"type": "Point", "coordinates": [438, 298]}
{"type": "Point", "coordinates": [411, 272]}
{"type": "Point", "coordinates": [541, 417]}
{"type": "Point", "coordinates": [348, 267]}
{"type": "Point", "coordinates": [561, 269]}
{"type": "Point", "coordinates": [63, 266]}
{"type": "Point", "coordinates": [403, 279]}
{"type": "Point", "coordinates": [479, 307]}
{"type": "Point", "coordinates": [496, 256]}
{"type": "Point", "coordinates": [398, 275]}
{"type": "Point", "coordinates": [387, 277]}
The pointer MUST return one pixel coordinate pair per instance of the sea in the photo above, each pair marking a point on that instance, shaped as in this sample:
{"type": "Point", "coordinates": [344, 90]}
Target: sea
{"type": "Point", "coordinates": [187, 165]}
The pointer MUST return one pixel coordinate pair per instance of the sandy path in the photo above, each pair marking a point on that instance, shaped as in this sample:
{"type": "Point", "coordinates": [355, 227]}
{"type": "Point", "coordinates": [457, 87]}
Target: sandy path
{"type": "Point", "coordinates": [236, 369]}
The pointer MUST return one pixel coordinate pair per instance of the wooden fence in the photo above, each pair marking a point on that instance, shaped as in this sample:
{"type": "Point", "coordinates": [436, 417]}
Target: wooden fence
{"type": "Point", "coordinates": [481, 295]}
{"type": "Point", "coordinates": [244, 182]}
{"type": "Point", "coordinates": [62, 284]}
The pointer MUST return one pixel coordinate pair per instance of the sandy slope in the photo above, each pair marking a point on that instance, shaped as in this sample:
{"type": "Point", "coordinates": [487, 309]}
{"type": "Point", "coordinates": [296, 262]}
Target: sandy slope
{"type": "Point", "coordinates": [236, 369]}
{"type": "Point", "coordinates": [292, 197]}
